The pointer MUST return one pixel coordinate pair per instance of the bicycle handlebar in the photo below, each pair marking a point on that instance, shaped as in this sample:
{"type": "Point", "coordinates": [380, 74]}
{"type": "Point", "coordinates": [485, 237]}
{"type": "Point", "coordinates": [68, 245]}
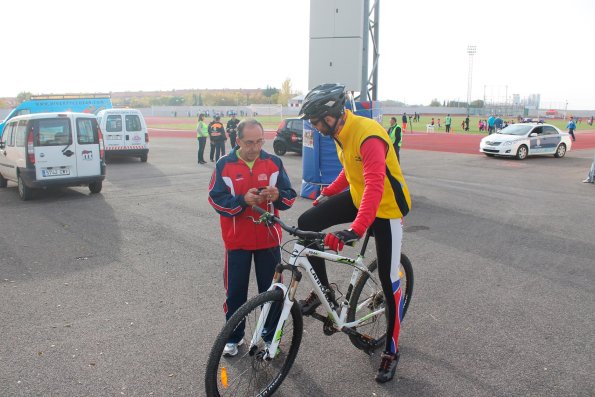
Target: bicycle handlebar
{"type": "Point", "coordinates": [294, 231]}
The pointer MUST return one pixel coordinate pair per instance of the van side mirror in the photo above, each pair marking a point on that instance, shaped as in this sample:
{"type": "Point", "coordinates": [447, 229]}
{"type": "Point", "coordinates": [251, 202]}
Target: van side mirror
{"type": "Point", "coordinates": [533, 134]}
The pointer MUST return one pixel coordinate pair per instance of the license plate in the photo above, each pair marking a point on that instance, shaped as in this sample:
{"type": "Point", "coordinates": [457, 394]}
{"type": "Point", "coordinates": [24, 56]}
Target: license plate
{"type": "Point", "coordinates": [114, 137]}
{"type": "Point", "coordinates": [55, 172]}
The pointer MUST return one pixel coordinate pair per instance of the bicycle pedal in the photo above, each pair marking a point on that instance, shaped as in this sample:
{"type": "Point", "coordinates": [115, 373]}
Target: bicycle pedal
{"type": "Point", "coordinates": [368, 341]}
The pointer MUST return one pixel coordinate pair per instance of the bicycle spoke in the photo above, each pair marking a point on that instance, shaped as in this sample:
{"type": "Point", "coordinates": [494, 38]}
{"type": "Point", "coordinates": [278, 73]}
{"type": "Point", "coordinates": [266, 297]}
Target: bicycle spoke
{"type": "Point", "coordinates": [249, 373]}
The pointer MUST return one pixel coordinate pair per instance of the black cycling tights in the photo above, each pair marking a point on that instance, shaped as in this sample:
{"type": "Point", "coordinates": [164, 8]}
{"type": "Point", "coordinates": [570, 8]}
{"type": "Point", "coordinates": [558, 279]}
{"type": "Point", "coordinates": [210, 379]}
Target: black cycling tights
{"type": "Point", "coordinates": [336, 210]}
{"type": "Point", "coordinates": [388, 233]}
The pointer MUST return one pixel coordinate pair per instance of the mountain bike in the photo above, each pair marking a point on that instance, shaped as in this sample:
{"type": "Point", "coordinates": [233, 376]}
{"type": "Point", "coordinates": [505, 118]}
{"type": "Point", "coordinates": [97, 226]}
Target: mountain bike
{"type": "Point", "coordinates": [273, 322]}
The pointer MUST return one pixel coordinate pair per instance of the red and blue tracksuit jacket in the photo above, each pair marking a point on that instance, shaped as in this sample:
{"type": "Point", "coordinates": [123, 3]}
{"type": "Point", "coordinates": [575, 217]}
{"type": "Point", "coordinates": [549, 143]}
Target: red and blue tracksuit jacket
{"type": "Point", "coordinates": [231, 180]}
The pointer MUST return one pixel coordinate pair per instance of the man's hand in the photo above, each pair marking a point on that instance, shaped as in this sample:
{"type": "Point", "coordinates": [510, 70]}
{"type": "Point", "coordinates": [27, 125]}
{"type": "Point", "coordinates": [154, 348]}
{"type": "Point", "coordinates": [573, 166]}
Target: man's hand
{"type": "Point", "coordinates": [319, 200]}
{"type": "Point", "coordinates": [252, 197]}
{"type": "Point", "coordinates": [269, 193]}
{"type": "Point", "coordinates": [337, 240]}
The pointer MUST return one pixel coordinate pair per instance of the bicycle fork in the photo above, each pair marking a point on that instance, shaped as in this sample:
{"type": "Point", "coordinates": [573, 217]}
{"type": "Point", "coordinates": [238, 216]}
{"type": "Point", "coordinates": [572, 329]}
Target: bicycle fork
{"type": "Point", "coordinates": [264, 323]}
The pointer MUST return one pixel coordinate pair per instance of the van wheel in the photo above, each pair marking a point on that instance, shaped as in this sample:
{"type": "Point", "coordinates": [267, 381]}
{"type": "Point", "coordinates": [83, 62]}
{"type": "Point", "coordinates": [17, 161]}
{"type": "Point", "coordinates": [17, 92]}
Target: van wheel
{"type": "Point", "coordinates": [144, 157]}
{"type": "Point", "coordinates": [3, 181]}
{"type": "Point", "coordinates": [25, 193]}
{"type": "Point", "coordinates": [95, 187]}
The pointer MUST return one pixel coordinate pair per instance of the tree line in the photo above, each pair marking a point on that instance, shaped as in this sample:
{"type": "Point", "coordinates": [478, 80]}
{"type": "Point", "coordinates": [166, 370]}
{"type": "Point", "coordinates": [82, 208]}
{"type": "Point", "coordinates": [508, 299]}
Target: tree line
{"type": "Point", "coordinates": [268, 95]}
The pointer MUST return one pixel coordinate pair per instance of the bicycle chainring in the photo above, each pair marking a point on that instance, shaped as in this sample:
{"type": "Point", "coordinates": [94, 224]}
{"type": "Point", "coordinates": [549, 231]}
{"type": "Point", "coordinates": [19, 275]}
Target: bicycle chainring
{"type": "Point", "coordinates": [329, 327]}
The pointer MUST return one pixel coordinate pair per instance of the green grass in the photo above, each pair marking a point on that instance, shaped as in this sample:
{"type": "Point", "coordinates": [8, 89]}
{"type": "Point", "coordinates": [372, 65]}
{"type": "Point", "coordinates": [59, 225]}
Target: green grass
{"type": "Point", "coordinates": [190, 123]}
{"type": "Point", "coordinates": [420, 126]}
{"type": "Point", "coordinates": [271, 123]}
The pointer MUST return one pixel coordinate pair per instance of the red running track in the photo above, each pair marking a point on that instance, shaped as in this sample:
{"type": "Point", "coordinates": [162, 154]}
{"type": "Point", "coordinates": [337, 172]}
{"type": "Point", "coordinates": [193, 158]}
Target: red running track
{"type": "Point", "coordinates": [461, 143]}
{"type": "Point", "coordinates": [436, 142]}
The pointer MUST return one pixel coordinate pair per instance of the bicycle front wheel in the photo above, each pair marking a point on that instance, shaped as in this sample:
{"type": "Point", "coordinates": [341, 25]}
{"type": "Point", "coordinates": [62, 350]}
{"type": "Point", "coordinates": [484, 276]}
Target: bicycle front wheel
{"type": "Point", "coordinates": [249, 373]}
{"type": "Point", "coordinates": [368, 297]}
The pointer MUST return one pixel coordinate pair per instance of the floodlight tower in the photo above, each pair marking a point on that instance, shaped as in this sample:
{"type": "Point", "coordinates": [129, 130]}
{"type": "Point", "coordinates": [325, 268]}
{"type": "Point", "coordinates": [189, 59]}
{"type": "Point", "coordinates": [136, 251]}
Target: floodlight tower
{"type": "Point", "coordinates": [471, 50]}
{"type": "Point", "coordinates": [369, 87]}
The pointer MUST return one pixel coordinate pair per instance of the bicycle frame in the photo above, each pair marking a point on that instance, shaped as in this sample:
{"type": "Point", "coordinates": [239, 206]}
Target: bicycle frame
{"type": "Point", "coordinates": [299, 260]}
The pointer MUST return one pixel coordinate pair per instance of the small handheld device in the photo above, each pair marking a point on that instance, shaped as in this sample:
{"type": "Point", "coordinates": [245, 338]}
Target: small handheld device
{"type": "Point", "coordinates": [260, 189]}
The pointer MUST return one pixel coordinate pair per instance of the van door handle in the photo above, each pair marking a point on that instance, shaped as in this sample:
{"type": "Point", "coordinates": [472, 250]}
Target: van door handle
{"type": "Point", "coordinates": [68, 153]}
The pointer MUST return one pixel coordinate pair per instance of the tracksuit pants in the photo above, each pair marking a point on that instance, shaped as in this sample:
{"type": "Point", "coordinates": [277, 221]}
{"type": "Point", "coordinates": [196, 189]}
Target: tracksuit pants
{"type": "Point", "coordinates": [236, 277]}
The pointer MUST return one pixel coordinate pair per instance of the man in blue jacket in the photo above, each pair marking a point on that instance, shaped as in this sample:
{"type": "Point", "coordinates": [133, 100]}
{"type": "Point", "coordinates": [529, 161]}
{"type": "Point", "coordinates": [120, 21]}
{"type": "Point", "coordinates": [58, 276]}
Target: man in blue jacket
{"type": "Point", "coordinates": [491, 122]}
{"type": "Point", "coordinates": [571, 127]}
{"type": "Point", "coordinates": [245, 177]}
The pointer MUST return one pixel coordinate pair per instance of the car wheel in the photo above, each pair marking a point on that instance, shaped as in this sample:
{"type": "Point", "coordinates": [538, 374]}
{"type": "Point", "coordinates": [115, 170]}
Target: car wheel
{"type": "Point", "coordinates": [95, 187]}
{"type": "Point", "coordinates": [25, 192]}
{"type": "Point", "coordinates": [3, 181]}
{"type": "Point", "coordinates": [522, 152]}
{"type": "Point", "coordinates": [144, 157]}
{"type": "Point", "coordinates": [561, 151]}
{"type": "Point", "coordinates": [279, 148]}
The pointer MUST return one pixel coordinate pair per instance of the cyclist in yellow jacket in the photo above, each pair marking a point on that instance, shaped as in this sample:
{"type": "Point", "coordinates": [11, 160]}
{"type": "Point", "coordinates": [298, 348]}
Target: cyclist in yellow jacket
{"type": "Point", "coordinates": [377, 199]}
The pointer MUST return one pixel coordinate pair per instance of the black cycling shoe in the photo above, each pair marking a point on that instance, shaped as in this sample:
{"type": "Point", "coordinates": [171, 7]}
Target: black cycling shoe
{"type": "Point", "coordinates": [388, 367]}
{"type": "Point", "coordinates": [310, 304]}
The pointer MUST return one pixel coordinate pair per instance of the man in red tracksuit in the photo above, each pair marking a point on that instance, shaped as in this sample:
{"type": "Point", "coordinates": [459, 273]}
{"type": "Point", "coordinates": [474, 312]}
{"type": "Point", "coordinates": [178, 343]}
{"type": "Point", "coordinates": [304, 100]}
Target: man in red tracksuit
{"type": "Point", "coordinates": [245, 177]}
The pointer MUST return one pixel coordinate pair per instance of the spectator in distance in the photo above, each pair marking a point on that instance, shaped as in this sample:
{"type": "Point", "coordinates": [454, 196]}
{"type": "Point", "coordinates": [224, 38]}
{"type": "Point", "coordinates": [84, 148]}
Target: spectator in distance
{"type": "Point", "coordinates": [217, 136]}
{"type": "Point", "coordinates": [202, 132]}
{"type": "Point", "coordinates": [571, 127]}
{"type": "Point", "coordinates": [231, 128]}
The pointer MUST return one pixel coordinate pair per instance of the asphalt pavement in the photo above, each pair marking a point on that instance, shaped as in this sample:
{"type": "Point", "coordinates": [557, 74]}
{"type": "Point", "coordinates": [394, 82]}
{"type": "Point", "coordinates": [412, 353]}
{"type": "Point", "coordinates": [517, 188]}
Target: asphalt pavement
{"type": "Point", "coordinates": [121, 293]}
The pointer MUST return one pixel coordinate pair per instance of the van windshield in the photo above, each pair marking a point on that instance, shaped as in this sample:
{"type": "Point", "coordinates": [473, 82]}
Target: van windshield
{"type": "Point", "coordinates": [53, 132]}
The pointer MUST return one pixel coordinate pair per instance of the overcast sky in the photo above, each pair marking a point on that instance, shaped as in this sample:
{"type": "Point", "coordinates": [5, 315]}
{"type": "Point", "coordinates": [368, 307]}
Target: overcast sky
{"type": "Point", "coordinates": [523, 47]}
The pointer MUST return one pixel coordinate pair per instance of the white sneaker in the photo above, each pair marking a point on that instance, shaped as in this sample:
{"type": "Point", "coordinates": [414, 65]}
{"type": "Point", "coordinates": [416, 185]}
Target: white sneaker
{"type": "Point", "coordinates": [587, 181]}
{"type": "Point", "coordinates": [231, 349]}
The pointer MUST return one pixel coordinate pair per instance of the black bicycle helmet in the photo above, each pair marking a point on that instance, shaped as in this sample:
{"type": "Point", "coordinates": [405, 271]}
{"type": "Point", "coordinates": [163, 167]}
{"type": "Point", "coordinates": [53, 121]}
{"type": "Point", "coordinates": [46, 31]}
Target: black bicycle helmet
{"type": "Point", "coordinates": [324, 100]}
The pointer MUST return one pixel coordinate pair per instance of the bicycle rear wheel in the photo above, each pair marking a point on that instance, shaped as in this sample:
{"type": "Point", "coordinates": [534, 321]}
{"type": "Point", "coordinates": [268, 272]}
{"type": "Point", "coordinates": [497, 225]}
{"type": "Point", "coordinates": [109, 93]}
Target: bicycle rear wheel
{"type": "Point", "coordinates": [248, 373]}
{"type": "Point", "coordinates": [368, 297]}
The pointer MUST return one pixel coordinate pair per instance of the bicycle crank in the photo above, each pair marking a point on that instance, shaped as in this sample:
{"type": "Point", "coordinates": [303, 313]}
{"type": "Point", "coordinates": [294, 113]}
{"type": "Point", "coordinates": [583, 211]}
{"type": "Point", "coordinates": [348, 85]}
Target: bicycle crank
{"type": "Point", "coordinates": [329, 327]}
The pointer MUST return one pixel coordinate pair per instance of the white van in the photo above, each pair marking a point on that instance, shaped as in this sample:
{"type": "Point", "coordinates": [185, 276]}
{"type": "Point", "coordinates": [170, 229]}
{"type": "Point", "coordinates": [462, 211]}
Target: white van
{"type": "Point", "coordinates": [52, 149]}
{"type": "Point", "coordinates": [125, 132]}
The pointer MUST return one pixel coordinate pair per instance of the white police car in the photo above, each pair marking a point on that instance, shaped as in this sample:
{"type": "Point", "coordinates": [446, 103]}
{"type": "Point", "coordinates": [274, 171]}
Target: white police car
{"type": "Point", "coordinates": [526, 139]}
